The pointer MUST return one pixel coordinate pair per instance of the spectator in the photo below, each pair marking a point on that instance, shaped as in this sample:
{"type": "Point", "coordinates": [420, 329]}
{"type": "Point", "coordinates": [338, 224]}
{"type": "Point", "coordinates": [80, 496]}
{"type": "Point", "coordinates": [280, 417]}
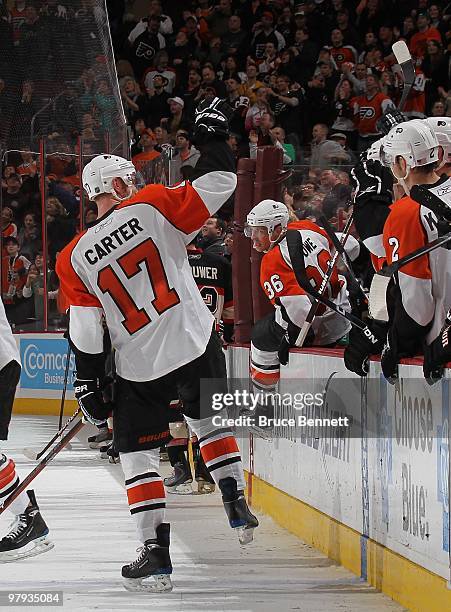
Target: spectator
{"type": "Point", "coordinates": [344, 112]}
{"type": "Point", "coordinates": [158, 104]}
{"type": "Point", "coordinates": [270, 60]}
{"type": "Point", "coordinates": [324, 150]}
{"type": "Point", "coordinates": [147, 144]}
{"type": "Point", "coordinates": [264, 32]}
{"type": "Point", "coordinates": [184, 160]}
{"type": "Point", "coordinates": [339, 51]}
{"type": "Point", "coordinates": [286, 106]}
{"type": "Point", "coordinates": [306, 54]}
{"type": "Point", "coordinates": [230, 68]}
{"type": "Point", "coordinates": [218, 20]}
{"type": "Point", "coordinates": [438, 109]}
{"type": "Point", "coordinates": [29, 237]}
{"type": "Point", "coordinates": [161, 136]}
{"type": "Point", "coordinates": [435, 68]}
{"type": "Point", "coordinates": [418, 42]}
{"type": "Point", "coordinates": [356, 78]}
{"type": "Point", "coordinates": [34, 287]}
{"type": "Point", "coordinates": [162, 68]}
{"type": "Point", "coordinates": [178, 120]}
{"type": "Point", "coordinates": [14, 273]}
{"type": "Point", "coordinates": [278, 134]}
{"type": "Point", "coordinates": [165, 22]}
{"type": "Point", "coordinates": [255, 112]}
{"type": "Point", "coordinates": [368, 108]}
{"type": "Point", "coordinates": [212, 236]}
{"type": "Point", "coordinates": [60, 229]}
{"type": "Point", "coordinates": [180, 52]}
{"type": "Point", "coordinates": [235, 40]}
{"type": "Point", "coordinates": [28, 167]}
{"type": "Point", "coordinates": [239, 104]}
{"type": "Point", "coordinates": [209, 80]}
{"type": "Point", "coordinates": [251, 84]}
{"type": "Point", "coordinates": [8, 227]}
{"type": "Point", "coordinates": [146, 45]}
{"type": "Point", "coordinates": [228, 244]}
{"type": "Point", "coordinates": [16, 197]}
{"type": "Point", "coordinates": [254, 139]}
{"type": "Point", "coordinates": [337, 194]}
{"type": "Point", "coordinates": [133, 100]}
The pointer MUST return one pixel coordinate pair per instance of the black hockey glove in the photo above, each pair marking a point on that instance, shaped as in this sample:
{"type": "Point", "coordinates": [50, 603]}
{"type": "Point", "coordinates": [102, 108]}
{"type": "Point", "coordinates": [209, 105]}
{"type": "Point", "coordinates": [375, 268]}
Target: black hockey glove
{"type": "Point", "coordinates": [372, 181]}
{"type": "Point", "coordinates": [362, 344]}
{"type": "Point", "coordinates": [284, 350]}
{"type": "Point", "coordinates": [437, 354]}
{"type": "Point", "coordinates": [211, 121]}
{"type": "Point", "coordinates": [389, 119]}
{"type": "Point", "coordinates": [89, 397]}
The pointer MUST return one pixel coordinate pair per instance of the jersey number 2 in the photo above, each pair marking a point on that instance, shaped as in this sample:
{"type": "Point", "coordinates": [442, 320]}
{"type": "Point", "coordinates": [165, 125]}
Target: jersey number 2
{"type": "Point", "coordinates": [144, 255]}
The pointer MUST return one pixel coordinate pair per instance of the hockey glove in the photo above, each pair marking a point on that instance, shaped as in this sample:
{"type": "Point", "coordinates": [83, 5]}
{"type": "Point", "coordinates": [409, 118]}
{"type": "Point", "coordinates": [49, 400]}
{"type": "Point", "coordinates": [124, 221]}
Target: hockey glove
{"type": "Point", "coordinates": [284, 350]}
{"type": "Point", "coordinates": [437, 354]}
{"type": "Point", "coordinates": [89, 397]}
{"type": "Point", "coordinates": [372, 182]}
{"type": "Point", "coordinates": [362, 344]}
{"type": "Point", "coordinates": [211, 121]}
{"type": "Point", "coordinates": [388, 120]}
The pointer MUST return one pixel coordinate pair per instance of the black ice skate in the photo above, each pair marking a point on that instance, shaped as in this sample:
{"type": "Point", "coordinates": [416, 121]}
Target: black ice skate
{"type": "Point", "coordinates": [28, 536]}
{"type": "Point", "coordinates": [154, 561]}
{"type": "Point", "coordinates": [205, 483]}
{"type": "Point", "coordinates": [180, 480]}
{"type": "Point", "coordinates": [101, 438]}
{"type": "Point", "coordinates": [238, 513]}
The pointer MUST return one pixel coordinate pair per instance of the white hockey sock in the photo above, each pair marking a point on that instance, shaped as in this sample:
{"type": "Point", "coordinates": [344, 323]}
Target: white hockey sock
{"type": "Point", "coordinates": [145, 491]}
{"type": "Point", "coordinates": [219, 451]}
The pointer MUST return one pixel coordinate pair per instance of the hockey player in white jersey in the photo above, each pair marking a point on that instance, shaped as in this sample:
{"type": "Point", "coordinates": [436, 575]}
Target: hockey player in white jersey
{"type": "Point", "coordinates": [132, 268]}
{"type": "Point", "coordinates": [29, 533]}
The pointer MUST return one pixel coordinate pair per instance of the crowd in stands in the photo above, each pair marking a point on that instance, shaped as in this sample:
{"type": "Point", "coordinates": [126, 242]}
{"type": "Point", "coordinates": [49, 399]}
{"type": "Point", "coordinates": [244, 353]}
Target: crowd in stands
{"type": "Point", "coordinates": [311, 77]}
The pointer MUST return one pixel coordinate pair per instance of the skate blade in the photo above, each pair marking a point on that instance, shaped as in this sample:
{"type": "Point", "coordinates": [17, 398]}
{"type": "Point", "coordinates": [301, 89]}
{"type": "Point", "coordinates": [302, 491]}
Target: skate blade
{"type": "Point", "coordinates": [32, 549]}
{"type": "Point", "coordinates": [181, 489]}
{"type": "Point", "coordinates": [204, 487]}
{"type": "Point", "coordinates": [162, 584]}
{"type": "Point", "coordinates": [245, 535]}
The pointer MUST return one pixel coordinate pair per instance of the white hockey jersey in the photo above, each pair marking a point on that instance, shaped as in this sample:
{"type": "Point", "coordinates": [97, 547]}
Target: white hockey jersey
{"type": "Point", "coordinates": [8, 346]}
{"type": "Point", "coordinates": [133, 267]}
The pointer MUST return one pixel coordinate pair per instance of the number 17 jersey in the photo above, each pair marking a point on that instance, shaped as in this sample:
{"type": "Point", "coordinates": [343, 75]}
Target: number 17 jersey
{"type": "Point", "coordinates": [133, 267]}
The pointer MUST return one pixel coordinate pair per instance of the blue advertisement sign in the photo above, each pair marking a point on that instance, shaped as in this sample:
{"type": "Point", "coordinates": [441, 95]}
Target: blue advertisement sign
{"type": "Point", "coordinates": [44, 363]}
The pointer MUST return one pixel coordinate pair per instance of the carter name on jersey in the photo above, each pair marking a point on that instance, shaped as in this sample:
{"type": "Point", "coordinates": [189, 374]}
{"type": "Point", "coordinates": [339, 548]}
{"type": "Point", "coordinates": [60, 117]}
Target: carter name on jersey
{"type": "Point", "coordinates": [116, 238]}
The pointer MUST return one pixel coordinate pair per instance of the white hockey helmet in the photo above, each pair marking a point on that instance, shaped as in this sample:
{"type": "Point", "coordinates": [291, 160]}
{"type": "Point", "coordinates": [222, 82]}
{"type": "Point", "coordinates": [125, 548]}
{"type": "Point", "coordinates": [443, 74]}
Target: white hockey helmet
{"type": "Point", "coordinates": [442, 129]}
{"type": "Point", "coordinates": [99, 173]}
{"type": "Point", "coordinates": [413, 140]}
{"type": "Point", "coordinates": [269, 214]}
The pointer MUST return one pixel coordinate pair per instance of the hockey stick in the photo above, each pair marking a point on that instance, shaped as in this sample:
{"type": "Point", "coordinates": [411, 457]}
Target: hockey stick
{"type": "Point", "coordinates": [63, 396]}
{"type": "Point", "coordinates": [34, 455]}
{"type": "Point", "coordinates": [353, 280]}
{"type": "Point", "coordinates": [315, 305]}
{"type": "Point", "coordinates": [41, 465]}
{"type": "Point", "coordinates": [395, 117]}
{"type": "Point", "coordinates": [404, 59]}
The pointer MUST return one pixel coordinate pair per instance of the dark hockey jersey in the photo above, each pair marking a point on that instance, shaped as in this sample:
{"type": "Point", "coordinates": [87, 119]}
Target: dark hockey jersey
{"type": "Point", "coordinates": [213, 276]}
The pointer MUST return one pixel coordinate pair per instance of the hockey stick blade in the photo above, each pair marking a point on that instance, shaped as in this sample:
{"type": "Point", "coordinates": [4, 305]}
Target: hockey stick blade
{"type": "Point", "coordinates": [34, 455]}
{"type": "Point", "coordinates": [404, 59]}
{"type": "Point", "coordinates": [41, 465]}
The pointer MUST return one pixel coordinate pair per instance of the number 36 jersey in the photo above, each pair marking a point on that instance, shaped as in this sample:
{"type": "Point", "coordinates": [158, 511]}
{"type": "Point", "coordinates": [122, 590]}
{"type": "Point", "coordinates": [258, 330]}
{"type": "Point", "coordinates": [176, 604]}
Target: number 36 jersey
{"type": "Point", "coordinates": [132, 267]}
{"type": "Point", "coordinates": [290, 300]}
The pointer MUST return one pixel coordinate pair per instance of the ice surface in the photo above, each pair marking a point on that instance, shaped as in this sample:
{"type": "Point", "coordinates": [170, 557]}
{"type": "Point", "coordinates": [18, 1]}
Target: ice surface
{"type": "Point", "coordinates": [83, 501]}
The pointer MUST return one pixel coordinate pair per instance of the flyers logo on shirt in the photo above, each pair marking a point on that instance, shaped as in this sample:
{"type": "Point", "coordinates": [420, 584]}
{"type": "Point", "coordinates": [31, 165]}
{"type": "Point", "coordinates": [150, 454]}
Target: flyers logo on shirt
{"type": "Point", "coordinates": [367, 112]}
